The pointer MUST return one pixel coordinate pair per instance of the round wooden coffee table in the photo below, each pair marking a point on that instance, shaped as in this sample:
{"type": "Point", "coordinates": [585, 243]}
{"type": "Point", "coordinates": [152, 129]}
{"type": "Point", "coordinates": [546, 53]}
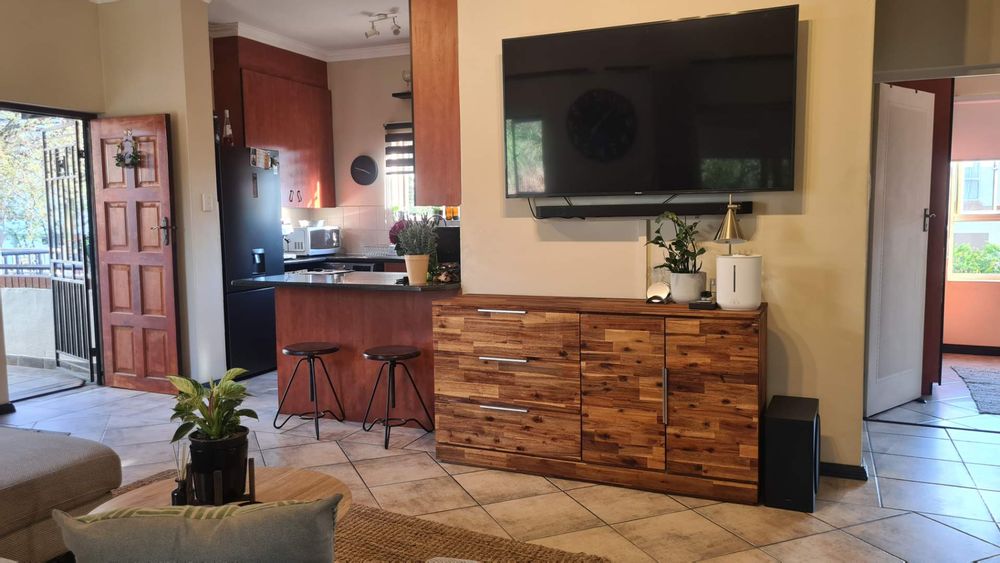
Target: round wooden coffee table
{"type": "Point", "coordinates": [273, 483]}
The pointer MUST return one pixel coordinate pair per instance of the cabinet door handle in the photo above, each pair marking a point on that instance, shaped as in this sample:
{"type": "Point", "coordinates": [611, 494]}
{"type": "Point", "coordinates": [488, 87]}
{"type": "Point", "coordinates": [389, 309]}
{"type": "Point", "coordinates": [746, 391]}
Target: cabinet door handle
{"type": "Point", "coordinates": [508, 360]}
{"type": "Point", "coordinates": [666, 394]}
{"type": "Point", "coordinates": [298, 195]}
{"type": "Point", "coordinates": [291, 196]}
{"type": "Point", "coordinates": [502, 311]}
{"type": "Point", "coordinates": [505, 409]}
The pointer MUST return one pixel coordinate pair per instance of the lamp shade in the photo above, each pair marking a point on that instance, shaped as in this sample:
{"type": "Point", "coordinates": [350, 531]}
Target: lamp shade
{"type": "Point", "coordinates": [729, 230]}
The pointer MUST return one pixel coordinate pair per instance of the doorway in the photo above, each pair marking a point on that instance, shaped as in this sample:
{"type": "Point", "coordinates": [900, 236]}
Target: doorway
{"type": "Point", "coordinates": [46, 253]}
{"type": "Point", "coordinates": [960, 387]}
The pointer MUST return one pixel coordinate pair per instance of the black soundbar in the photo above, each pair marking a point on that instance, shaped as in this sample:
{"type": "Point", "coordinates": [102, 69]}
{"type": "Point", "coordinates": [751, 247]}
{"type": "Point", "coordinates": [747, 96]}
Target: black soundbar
{"type": "Point", "coordinates": [636, 210]}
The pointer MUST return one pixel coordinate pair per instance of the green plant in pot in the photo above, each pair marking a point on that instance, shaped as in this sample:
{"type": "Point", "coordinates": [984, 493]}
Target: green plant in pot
{"type": "Point", "coordinates": [681, 259]}
{"type": "Point", "coordinates": [210, 418]}
{"type": "Point", "coordinates": [415, 241]}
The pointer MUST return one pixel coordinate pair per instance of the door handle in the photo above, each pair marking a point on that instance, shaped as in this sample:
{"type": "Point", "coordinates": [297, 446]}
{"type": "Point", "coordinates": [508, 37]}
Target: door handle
{"type": "Point", "coordinates": [927, 218]}
{"type": "Point", "coordinates": [164, 227]}
{"type": "Point", "coordinates": [505, 409]}
{"type": "Point", "coordinates": [666, 394]}
{"type": "Point", "coordinates": [508, 360]}
{"type": "Point", "coordinates": [298, 195]}
{"type": "Point", "coordinates": [502, 311]}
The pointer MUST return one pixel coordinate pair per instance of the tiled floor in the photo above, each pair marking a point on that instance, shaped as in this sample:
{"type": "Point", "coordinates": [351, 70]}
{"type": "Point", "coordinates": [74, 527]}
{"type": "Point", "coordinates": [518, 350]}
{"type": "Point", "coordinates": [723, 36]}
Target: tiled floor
{"type": "Point", "coordinates": [26, 382]}
{"type": "Point", "coordinates": [936, 496]}
{"type": "Point", "coordinates": [950, 404]}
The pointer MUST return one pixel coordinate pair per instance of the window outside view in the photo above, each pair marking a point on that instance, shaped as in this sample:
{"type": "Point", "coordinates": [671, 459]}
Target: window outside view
{"type": "Point", "coordinates": [975, 220]}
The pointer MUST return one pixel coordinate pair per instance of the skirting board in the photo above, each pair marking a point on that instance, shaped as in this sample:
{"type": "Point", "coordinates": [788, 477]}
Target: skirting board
{"type": "Point", "coordinates": [844, 471]}
{"type": "Point", "coordinates": [7, 408]}
{"type": "Point", "coordinates": [970, 349]}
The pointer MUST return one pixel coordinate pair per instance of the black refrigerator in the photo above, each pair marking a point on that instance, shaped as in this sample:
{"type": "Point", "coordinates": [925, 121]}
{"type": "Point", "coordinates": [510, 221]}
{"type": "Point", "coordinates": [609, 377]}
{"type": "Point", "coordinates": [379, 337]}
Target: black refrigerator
{"type": "Point", "coordinates": [250, 211]}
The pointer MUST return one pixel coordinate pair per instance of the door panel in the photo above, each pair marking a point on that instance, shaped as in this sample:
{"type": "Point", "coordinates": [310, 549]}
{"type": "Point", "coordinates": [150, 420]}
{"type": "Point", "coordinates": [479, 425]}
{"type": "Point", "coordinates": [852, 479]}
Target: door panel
{"type": "Point", "coordinates": [622, 387]}
{"type": "Point", "coordinates": [713, 399]}
{"type": "Point", "coordinates": [135, 256]}
{"type": "Point", "coordinates": [901, 196]}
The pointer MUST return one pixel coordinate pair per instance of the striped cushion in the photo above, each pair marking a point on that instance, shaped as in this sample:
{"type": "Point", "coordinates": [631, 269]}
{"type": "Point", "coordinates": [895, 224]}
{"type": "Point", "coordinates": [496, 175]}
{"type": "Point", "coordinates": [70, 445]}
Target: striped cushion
{"type": "Point", "coordinates": [274, 531]}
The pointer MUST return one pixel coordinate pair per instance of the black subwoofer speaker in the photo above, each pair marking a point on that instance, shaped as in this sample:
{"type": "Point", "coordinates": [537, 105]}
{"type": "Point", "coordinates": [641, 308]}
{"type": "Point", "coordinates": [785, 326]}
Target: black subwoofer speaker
{"type": "Point", "coordinates": [791, 453]}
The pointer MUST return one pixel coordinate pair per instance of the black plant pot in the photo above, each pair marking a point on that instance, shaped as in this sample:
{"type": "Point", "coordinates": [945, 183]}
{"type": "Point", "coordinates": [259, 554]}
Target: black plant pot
{"type": "Point", "coordinates": [229, 456]}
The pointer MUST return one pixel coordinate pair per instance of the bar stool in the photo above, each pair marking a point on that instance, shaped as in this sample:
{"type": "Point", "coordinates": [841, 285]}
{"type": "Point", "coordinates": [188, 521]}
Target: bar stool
{"type": "Point", "coordinates": [392, 356]}
{"type": "Point", "coordinates": [310, 352]}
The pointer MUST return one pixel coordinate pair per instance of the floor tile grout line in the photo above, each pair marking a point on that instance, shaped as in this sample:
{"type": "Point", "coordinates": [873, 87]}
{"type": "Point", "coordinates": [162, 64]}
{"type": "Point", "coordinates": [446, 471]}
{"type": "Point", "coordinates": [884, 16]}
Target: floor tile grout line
{"type": "Point", "coordinates": [958, 529]}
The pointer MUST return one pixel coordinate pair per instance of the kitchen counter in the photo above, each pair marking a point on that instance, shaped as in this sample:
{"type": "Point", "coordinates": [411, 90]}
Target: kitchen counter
{"type": "Point", "coordinates": [370, 281]}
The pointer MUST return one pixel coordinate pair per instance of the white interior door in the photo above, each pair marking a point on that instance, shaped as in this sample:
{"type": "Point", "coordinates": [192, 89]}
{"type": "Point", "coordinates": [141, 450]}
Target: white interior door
{"type": "Point", "coordinates": [899, 246]}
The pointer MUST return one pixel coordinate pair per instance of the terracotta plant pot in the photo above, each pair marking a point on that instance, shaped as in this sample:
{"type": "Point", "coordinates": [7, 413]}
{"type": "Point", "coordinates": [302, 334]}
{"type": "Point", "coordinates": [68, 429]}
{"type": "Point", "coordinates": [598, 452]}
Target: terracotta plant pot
{"type": "Point", "coordinates": [416, 268]}
{"type": "Point", "coordinates": [229, 456]}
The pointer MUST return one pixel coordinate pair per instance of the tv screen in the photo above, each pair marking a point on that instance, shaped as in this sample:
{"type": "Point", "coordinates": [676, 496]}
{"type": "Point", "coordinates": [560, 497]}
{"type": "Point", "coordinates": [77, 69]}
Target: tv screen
{"type": "Point", "coordinates": [690, 106]}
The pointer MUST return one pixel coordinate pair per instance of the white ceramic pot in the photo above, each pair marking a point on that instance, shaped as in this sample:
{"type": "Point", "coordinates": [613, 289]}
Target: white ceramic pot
{"type": "Point", "coordinates": [416, 268]}
{"type": "Point", "coordinates": [685, 288]}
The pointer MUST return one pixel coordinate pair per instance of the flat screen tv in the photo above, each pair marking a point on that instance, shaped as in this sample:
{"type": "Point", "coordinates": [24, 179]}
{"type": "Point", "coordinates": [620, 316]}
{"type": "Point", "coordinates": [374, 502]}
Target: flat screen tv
{"type": "Point", "coordinates": [689, 106]}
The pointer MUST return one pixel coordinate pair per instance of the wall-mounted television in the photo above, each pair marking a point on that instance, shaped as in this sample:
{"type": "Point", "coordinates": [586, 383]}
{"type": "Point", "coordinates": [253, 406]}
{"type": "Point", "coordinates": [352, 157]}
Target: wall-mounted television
{"type": "Point", "coordinates": [700, 105]}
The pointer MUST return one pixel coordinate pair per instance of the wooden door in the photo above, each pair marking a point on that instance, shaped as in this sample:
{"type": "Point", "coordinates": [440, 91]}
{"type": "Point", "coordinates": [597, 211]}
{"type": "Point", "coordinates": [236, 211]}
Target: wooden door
{"type": "Point", "coordinates": [296, 120]}
{"type": "Point", "coordinates": [713, 398]}
{"type": "Point", "coordinates": [135, 254]}
{"type": "Point", "coordinates": [436, 126]}
{"type": "Point", "coordinates": [622, 387]}
{"type": "Point", "coordinates": [897, 291]}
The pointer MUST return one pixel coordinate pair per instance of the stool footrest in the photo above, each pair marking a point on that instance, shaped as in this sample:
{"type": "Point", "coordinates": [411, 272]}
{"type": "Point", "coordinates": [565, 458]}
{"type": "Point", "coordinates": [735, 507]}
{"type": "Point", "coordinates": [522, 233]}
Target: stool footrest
{"type": "Point", "coordinates": [395, 422]}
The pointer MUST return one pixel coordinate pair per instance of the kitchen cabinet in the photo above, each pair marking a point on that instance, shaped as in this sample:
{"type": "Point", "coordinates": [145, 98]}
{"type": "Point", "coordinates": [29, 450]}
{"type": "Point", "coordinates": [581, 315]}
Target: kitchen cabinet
{"type": "Point", "coordinates": [656, 397]}
{"type": "Point", "coordinates": [436, 125]}
{"type": "Point", "coordinates": [279, 100]}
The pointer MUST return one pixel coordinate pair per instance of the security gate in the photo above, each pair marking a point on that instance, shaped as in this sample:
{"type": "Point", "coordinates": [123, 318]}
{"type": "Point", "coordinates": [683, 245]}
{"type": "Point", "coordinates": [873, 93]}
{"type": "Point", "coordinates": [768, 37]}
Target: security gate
{"type": "Point", "coordinates": [70, 241]}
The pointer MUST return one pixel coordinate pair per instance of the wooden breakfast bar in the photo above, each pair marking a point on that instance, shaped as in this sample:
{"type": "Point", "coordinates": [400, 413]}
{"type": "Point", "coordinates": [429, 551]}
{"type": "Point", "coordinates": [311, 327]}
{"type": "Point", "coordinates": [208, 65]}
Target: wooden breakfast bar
{"type": "Point", "coordinates": [357, 310]}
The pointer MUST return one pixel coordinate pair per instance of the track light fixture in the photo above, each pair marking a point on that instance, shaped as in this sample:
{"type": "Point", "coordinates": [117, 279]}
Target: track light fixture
{"type": "Point", "coordinates": [371, 32]}
{"type": "Point", "coordinates": [375, 17]}
{"type": "Point", "coordinates": [395, 27]}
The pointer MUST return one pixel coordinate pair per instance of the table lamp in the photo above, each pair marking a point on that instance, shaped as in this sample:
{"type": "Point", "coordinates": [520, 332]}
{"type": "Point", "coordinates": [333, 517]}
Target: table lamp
{"type": "Point", "coordinates": [737, 276]}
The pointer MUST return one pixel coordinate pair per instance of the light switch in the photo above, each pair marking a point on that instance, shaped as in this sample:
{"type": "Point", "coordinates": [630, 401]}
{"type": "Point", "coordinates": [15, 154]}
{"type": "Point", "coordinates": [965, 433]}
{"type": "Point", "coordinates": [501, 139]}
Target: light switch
{"type": "Point", "coordinates": [207, 202]}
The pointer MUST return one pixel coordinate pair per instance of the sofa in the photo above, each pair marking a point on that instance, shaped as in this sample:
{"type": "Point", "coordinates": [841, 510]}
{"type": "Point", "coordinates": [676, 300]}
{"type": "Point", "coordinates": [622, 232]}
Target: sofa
{"type": "Point", "coordinates": [41, 471]}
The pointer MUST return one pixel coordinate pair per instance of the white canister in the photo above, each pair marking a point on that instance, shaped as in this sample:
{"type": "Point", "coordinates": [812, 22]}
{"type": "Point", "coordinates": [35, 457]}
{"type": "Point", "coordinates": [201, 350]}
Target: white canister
{"type": "Point", "coordinates": [737, 282]}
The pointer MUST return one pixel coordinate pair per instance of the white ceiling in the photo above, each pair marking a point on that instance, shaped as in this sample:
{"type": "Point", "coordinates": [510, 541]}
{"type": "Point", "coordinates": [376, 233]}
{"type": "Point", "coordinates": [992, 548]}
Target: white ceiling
{"type": "Point", "coordinates": [326, 29]}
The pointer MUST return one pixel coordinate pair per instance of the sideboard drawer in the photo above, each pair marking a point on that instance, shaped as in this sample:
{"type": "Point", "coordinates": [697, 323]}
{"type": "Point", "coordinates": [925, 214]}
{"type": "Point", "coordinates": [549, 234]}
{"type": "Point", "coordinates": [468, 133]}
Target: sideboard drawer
{"type": "Point", "coordinates": [547, 384]}
{"type": "Point", "coordinates": [507, 333]}
{"type": "Point", "coordinates": [508, 428]}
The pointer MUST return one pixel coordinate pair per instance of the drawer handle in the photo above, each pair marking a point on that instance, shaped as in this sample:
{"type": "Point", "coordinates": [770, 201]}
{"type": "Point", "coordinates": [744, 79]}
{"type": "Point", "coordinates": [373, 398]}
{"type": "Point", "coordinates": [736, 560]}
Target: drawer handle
{"type": "Point", "coordinates": [508, 360]}
{"type": "Point", "coordinates": [503, 311]}
{"type": "Point", "coordinates": [505, 409]}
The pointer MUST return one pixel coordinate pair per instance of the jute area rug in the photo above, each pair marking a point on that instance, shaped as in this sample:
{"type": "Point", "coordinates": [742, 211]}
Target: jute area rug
{"type": "Point", "coordinates": [984, 384]}
{"type": "Point", "coordinates": [372, 534]}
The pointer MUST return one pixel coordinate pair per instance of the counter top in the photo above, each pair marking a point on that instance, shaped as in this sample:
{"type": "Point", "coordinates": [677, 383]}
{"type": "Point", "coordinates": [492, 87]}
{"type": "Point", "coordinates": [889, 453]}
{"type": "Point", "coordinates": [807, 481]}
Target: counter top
{"type": "Point", "coordinates": [375, 281]}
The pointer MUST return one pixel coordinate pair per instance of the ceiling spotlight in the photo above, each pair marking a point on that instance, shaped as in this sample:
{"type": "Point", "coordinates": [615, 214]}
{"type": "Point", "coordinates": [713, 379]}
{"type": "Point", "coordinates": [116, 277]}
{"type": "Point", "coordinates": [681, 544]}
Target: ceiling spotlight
{"type": "Point", "coordinates": [395, 26]}
{"type": "Point", "coordinates": [371, 32]}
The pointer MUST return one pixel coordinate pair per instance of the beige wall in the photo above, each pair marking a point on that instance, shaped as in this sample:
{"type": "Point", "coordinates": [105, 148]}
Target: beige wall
{"type": "Point", "coordinates": [155, 57]}
{"type": "Point", "coordinates": [51, 54]}
{"type": "Point", "coordinates": [814, 240]}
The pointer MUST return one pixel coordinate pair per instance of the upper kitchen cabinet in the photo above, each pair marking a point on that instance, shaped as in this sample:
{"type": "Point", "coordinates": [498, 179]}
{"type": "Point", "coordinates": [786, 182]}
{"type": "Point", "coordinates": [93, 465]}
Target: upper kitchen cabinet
{"type": "Point", "coordinates": [436, 134]}
{"type": "Point", "coordinates": [279, 100]}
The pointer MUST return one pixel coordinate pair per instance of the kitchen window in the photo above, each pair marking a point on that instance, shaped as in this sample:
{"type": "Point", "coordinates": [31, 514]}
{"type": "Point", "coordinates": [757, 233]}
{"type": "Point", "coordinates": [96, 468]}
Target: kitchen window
{"type": "Point", "coordinates": [399, 177]}
{"type": "Point", "coordinates": [974, 226]}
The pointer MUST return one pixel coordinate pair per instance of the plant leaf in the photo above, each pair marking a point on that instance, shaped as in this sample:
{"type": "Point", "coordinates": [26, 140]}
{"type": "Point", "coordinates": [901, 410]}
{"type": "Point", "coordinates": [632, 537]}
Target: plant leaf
{"type": "Point", "coordinates": [182, 431]}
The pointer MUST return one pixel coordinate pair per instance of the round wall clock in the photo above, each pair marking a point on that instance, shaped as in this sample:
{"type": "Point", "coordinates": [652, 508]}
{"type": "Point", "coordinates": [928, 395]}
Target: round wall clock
{"type": "Point", "coordinates": [601, 124]}
{"type": "Point", "coordinates": [364, 170]}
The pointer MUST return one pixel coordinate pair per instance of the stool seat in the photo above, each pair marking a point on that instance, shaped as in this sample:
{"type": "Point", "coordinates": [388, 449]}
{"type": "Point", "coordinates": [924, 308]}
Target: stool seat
{"type": "Point", "coordinates": [391, 353]}
{"type": "Point", "coordinates": [310, 348]}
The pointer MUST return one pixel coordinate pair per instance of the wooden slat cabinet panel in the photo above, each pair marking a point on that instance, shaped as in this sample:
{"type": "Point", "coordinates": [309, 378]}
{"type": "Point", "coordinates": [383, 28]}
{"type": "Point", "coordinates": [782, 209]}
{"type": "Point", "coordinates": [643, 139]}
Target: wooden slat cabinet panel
{"type": "Point", "coordinates": [295, 119]}
{"type": "Point", "coordinates": [534, 432]}
{"type": "Point", "coordinates": [548, 384]}
{"type": "Point", "coordinates": [622, 360]}
{"type": "Point", "coordinates": [511, 334]}
{"type": "Point", "coordinates": [713, 409]}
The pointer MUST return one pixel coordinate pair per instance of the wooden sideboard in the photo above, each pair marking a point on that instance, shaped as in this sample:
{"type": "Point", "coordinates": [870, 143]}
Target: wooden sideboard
{"type": "Point", "coordinates": [656, 397]}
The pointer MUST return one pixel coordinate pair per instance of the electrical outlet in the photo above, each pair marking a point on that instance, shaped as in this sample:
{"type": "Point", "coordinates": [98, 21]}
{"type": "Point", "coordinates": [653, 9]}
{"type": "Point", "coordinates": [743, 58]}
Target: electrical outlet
{"type": "Point", "coordinates": [207, 202]}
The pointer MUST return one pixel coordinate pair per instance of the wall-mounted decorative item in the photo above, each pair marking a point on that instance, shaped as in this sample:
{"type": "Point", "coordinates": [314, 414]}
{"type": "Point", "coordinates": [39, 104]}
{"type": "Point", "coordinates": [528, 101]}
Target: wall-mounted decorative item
{"type": "Point", "coordinates": [128, 155]}
{"type": "Point", "coordinates": [687, 281]}
{"type": "Point", "coordinates": [364, 170]}
{"type": "Point", "coordinates": [737, 276]}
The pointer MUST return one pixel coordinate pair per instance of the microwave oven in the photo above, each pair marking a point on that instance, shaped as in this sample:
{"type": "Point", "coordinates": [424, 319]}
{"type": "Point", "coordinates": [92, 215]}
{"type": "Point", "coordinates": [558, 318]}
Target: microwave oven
{"type": "Point", "coordinates": [313, 241]}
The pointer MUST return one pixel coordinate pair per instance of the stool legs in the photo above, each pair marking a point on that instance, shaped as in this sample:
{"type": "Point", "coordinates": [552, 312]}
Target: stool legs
{"type": "Point", "coordinates": [316, 414]}
{"type": "Point", "coordinates": [390, 402]}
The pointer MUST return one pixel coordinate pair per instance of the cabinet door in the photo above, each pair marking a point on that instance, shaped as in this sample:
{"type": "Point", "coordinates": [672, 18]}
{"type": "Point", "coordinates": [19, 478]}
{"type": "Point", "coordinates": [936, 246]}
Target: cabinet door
{"type": "Point", "coordinates": [295, 119]}
{"type": "Point", "coordinates": [713, 402]}
{"type": "Point", "coordinates": [622, 390]}
{"type": "Point", "coordinates": [436, 132]}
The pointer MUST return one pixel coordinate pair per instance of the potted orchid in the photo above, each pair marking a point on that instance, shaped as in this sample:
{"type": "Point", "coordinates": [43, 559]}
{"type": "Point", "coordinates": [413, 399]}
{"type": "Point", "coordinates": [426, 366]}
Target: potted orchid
{"type": "Point", "coordinates": [415, 241]}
